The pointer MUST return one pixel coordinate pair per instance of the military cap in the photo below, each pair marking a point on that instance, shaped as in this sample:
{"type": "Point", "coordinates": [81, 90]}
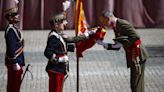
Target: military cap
{"type": "Point", "coordinates": [59, 17]}
{"type": "Point", "coordinates": [11, 12]}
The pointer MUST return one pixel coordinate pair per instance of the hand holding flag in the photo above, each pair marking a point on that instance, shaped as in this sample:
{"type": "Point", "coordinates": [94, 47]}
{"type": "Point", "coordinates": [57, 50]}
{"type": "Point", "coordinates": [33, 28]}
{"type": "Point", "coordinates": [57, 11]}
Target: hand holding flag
{"type": "Point", "coordinates": [98, 33]}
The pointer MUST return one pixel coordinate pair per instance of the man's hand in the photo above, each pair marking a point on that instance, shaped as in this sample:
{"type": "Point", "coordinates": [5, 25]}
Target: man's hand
{"type": "Point", "coordinates": [62, 59]}
{"type": "Point", "coordinates": [138, 68]}
{"type": "Point", "coordinates": [53, 59]}
{"type": "Point", "coordinates": [109, 46]}
{"type": "Point", "coordinates": [137, 65]}
{"type": "Point", "coordinates": [88, 33]}
{"type": "Point", "coordinates": [16, 66]}
{"type": "Point", "coordinates": [91, 32]}
{"type": "Point", "coordinates": [100, 42]}
{"type": "Point", "coordinates": [71, 47]}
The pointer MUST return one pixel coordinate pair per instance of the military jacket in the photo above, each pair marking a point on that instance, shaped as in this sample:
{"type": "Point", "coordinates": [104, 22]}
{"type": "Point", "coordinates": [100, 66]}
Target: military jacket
{"type": "Point", "coordinates": [14, 45]}
{"type": "Point", "coordinates": [125, 29]}
{"type": "Point", "coordinates": [57, 44]}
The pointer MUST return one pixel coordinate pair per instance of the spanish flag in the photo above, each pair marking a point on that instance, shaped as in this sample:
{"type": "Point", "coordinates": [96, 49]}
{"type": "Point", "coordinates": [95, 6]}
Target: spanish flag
{"type": "Point", "coordinates": [80, 27]}
{"type": "Point", "coordinates": [80, 23]}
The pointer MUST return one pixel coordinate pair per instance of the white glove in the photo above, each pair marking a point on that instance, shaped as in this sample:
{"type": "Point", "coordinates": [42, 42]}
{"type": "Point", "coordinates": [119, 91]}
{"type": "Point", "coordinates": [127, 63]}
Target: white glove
{"type": "Point", "coordinates": [89, 32]}
{"type": "Point", "coordinates": [16, 66]}
{"type": "Point", "coordinates": [100, 42]}
{"type": "Point", "coordinates": [86, 34]}
{"type": "Point", "coordinates": [63, 59]}
{"type": "Point", "coordinates": [66, 5]}
{"type": "Point", "coordinates": [117, 45]}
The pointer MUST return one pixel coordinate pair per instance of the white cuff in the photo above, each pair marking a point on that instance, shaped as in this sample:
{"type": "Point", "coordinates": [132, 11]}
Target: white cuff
{"type": "Point", "coordinates": [16, 67]}
{"type": "Point", "coordinates": [86, 34]}
{"type": "Point", "coordinates": [63, 59]}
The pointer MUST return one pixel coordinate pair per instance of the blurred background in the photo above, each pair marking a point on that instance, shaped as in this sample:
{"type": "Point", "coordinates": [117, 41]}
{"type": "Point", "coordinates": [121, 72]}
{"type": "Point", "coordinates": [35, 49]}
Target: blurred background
{"type": "Point", "coordinates": [35, 13]}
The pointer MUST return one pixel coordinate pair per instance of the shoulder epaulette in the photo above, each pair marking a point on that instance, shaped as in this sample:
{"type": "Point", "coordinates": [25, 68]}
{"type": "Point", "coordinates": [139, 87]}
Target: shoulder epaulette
{"type": "Point", "coordinates": [15, 31]}
{"type": "Point", "coordinates": [53, 34]}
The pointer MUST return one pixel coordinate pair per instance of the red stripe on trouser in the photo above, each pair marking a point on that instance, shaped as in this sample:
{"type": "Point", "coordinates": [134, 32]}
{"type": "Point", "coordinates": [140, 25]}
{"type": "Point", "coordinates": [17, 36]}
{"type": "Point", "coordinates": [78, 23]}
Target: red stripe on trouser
{"type": "Point", "coordinates": [55, 81]}
{"type": "Point", "coordinates": [14, 79]}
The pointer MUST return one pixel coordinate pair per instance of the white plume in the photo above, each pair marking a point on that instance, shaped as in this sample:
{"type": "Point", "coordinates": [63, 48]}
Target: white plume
{"type": "Point", "coordinates": [16, 1]}
{"type": "Point", "coordinates": [66, 5]}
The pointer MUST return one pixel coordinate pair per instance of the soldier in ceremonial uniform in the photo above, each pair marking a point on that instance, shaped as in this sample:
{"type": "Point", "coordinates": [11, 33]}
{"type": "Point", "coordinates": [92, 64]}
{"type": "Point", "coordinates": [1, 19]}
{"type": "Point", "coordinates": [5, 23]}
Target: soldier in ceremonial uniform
{"type": "Point", "coordinates": [128, 38]}
{"type": "Point", "coordinates": [56, 51]}
{"type": "Point", "coordinates": [14, 59]}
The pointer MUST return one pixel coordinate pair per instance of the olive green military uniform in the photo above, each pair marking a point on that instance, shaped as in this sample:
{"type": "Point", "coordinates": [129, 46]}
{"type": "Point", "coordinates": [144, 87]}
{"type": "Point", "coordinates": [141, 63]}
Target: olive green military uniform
{"type": "Point", "coordinates": [136, 53]}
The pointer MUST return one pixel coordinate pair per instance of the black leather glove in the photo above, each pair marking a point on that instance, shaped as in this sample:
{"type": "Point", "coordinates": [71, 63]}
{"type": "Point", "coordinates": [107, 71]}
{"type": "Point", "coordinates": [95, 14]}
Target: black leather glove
{"type": "Point", "coordinates": [71, 47]}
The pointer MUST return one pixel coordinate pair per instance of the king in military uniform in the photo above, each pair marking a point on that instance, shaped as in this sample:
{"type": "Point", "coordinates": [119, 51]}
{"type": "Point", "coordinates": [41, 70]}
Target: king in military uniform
{"type": "Point", "coordinates": [14, 59]}
{"type": "Point", "coordinates": [57, 49]}
{"type": "Point", "coordinates": [128, 38]}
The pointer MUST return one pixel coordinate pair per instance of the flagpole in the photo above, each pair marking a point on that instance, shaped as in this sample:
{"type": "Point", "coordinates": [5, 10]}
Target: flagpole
{"type": "Point", "coordinates": [77, 10]}
{"type": "Point", "coordinates": [77, 74]}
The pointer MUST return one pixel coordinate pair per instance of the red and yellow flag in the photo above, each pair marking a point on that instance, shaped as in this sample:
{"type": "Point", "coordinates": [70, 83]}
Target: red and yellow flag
{"type": "Point", "coordinates": [80, 23]}
{"type": "Point", "coordinates": [80, 27]}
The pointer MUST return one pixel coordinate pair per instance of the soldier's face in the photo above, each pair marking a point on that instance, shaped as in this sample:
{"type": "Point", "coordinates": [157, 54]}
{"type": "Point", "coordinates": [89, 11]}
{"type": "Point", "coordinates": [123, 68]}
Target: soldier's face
{"type": "Point", "coordinates": [106, 21]}
{"type": "Point", "coordinates": [59, 26]}
{"type": "Point", "coordinates": [16, 18]}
